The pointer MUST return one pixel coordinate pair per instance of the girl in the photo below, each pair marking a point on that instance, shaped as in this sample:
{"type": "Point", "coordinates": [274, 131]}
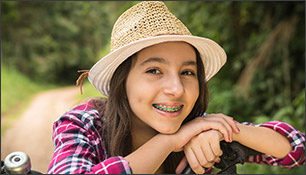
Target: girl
{"type": "Point", "coordinates": [153, 119]}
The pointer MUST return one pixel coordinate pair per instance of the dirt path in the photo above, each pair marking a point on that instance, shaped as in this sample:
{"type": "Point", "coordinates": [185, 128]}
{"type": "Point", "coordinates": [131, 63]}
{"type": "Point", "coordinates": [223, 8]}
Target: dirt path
{"type": "Point", "coordinates": [32, 132]}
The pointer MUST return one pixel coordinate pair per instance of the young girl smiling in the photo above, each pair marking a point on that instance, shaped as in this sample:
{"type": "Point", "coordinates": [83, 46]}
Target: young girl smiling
{"type": "Point", "coordinates": [154, 120]}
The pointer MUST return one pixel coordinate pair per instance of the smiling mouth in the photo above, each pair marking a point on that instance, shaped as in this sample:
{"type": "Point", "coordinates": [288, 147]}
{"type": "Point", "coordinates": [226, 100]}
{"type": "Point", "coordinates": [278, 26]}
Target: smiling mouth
{"type": "Point", "coordinates": [167, 108]}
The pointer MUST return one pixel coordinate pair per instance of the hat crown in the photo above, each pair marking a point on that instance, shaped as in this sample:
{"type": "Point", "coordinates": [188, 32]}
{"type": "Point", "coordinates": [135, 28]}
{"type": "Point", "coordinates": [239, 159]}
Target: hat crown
{"type": "Point", "coordinates": [143, 20]}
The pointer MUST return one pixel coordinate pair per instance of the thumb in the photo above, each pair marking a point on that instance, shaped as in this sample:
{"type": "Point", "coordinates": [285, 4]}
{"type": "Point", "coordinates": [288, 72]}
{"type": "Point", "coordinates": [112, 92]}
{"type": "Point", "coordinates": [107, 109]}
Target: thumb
{"type": "Point", "coordinates": [181, 166]}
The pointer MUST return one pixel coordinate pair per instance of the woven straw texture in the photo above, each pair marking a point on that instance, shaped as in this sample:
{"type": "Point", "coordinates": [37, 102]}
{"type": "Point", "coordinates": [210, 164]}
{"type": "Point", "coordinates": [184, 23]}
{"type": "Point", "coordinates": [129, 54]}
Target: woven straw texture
{"type": "Point", "coordinates": [145, 19]}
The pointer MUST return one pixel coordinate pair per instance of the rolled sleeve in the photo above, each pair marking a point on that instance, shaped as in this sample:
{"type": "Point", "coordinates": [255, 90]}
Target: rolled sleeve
{"type": "Point", "coordinates": [112, 165]}
{"type": "Point", "coordinates": [297, 141]}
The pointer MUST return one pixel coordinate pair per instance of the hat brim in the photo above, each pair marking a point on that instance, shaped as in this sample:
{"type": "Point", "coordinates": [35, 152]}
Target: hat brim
{"type": "Point", "coordinates": [212, 55]}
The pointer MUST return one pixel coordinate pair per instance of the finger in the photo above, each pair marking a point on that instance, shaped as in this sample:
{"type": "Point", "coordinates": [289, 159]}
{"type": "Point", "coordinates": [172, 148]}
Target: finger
{"type": "Point", "coordinates": [193, 162]}
{"type": "Point", "coordinates": [223, 130]}
{"type": "Point", "coordinates": [218, 118]}
{"type": "Point", "coordinates": [199, 153]}
{"type": "Point", "coordinates": [231, 122]}
{"type": "Point", "coordinates": [227, 126]}
{"type": "Point", "coordinates": [217, 160]}
{"type": "Point", "coordinates": [181, 166]}
{"type": "Point", "coordinates": [209, 155]}
{"type": "Point", "coordinates": [197, 126]}
{"type": "Point", "coordinates": [215, 147]}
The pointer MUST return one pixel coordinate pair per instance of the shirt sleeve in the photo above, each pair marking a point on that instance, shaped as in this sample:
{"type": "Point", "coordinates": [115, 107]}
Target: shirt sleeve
{"type": "Point", "coordinates": [79, 148]}
{"type": "Point", "coordinates": [297, 141]}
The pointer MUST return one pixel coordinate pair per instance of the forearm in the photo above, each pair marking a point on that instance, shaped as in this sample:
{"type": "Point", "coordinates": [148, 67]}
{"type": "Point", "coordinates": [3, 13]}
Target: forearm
{"type": "Point", "coordinates": [263, 139]}
{"type": "Point", "coordinates": [150, 156]}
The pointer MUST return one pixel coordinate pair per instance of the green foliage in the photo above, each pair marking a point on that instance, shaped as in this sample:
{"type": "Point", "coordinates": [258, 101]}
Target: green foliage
{"type": "Point", "coordinates": [294, 113]}
{"type": "Point", "coordinates": [249, 168]}
{"type": "Point", "coordinates": [17, 88]}
{"type": "Point", "coordinates": [52, 40]}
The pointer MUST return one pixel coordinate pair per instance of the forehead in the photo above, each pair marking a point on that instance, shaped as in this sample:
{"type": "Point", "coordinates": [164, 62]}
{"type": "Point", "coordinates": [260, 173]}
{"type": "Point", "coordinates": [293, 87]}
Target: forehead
{"type": "Point", "coordinates": [167, 50]}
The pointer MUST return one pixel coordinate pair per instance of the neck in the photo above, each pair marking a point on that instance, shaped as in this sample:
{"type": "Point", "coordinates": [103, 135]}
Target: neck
{"type": "Point", "coordinates": [141, 133]}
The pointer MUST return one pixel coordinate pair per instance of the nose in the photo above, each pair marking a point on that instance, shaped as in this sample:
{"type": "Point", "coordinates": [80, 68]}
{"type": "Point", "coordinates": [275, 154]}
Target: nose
{"type": "Point", "coordinates": [174, 86]}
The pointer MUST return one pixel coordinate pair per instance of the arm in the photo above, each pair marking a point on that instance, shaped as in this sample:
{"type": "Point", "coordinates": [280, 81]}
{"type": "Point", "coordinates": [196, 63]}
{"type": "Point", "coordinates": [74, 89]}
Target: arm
{"type": "Point", "coordinates": [282, 144]}
{"type": "Point", "coordinates": [153, 153]}
{"type": "Point", "coordinates": [263, 139]}
{"type": "Point", "coordinates": [149, 157]}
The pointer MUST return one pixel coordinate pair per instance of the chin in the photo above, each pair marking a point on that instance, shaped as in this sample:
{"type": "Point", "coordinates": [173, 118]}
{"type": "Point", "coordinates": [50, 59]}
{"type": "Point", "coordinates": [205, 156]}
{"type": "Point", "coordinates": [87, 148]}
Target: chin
{"type": "Point", "coordinates": [168, 130]}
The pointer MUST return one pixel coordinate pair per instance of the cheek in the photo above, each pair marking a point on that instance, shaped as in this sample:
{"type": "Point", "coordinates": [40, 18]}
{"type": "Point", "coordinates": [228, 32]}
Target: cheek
{"type": "Point", "coordinates": [134, 90]}
{"type": "Point", "coordinates": [138, 92]}
{"type": "Point", "coordinates": [193, 91]}
{"type": "Point", "coordinates": [130, 86]}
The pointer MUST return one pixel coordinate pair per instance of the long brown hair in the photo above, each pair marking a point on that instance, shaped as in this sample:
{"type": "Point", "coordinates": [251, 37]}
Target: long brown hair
{"type": "Point", "coordinates": [117, 116]}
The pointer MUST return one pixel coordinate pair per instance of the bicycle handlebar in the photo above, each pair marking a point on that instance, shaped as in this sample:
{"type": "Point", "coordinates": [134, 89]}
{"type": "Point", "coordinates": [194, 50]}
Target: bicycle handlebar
{"type": "Point", "coordinates": [233, 153]}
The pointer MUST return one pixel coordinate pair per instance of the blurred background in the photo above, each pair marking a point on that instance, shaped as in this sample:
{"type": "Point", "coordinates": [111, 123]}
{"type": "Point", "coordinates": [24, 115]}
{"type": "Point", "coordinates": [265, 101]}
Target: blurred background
{"type": "Point", "coordinates": [43, 44]}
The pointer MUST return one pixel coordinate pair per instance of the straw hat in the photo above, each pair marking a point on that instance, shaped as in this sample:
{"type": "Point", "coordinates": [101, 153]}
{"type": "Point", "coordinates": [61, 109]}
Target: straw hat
{"type": "Point", "coordinates": [146, 24]}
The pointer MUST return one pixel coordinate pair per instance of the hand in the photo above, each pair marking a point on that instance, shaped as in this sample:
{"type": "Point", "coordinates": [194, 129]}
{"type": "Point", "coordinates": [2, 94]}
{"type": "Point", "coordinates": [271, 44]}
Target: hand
{"type": "Point", "coordinates": [202, 151]}
{"type": "Point", "coordinates": [227, 121]}
{"type": "Point", "coordinates": [224, 124]}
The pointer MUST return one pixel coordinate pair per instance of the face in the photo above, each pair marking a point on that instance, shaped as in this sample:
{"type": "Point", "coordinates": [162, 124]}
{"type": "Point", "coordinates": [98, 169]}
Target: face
{"type": "Point", "coordinates": [162, 86]}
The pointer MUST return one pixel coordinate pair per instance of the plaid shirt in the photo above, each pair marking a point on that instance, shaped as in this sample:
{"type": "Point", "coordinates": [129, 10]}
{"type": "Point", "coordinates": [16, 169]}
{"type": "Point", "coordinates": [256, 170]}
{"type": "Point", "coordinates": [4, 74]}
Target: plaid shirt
{"type": "Point", "coordinates": [79, 148]}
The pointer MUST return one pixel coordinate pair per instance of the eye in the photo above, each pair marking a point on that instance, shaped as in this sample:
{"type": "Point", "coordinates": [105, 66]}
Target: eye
{"type": "Point", "coordinates": [189, 73]}
{"type": "Point", "coordinates": [153, 71]}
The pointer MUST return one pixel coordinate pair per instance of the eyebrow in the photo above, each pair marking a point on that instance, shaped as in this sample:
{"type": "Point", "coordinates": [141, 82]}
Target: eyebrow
{"type": "Point", "coordinates": [190, 63]}
{"type": "Point", "coordinates": [163, 61]}
{"type": "Point", "coordinates": [154, 59]}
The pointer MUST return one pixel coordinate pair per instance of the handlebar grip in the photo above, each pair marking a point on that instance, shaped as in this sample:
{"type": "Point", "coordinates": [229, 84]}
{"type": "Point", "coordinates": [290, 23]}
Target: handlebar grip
{"type": "Point", "coordinates": [233, 153]}
{"type": "Point", "coordinates": [187, 170]}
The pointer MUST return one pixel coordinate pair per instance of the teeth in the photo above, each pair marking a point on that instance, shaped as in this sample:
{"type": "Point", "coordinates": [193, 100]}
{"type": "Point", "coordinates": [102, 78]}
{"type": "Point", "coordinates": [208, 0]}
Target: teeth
{"type": "Point", "coordinates": [167, 109]}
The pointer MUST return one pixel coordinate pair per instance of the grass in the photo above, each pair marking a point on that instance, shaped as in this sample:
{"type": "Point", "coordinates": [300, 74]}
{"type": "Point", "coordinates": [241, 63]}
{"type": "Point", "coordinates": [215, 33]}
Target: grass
{"type": "Point", "coordinates": [17, 91]}
{"type": "Point", "coordinates": [250, 168]}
